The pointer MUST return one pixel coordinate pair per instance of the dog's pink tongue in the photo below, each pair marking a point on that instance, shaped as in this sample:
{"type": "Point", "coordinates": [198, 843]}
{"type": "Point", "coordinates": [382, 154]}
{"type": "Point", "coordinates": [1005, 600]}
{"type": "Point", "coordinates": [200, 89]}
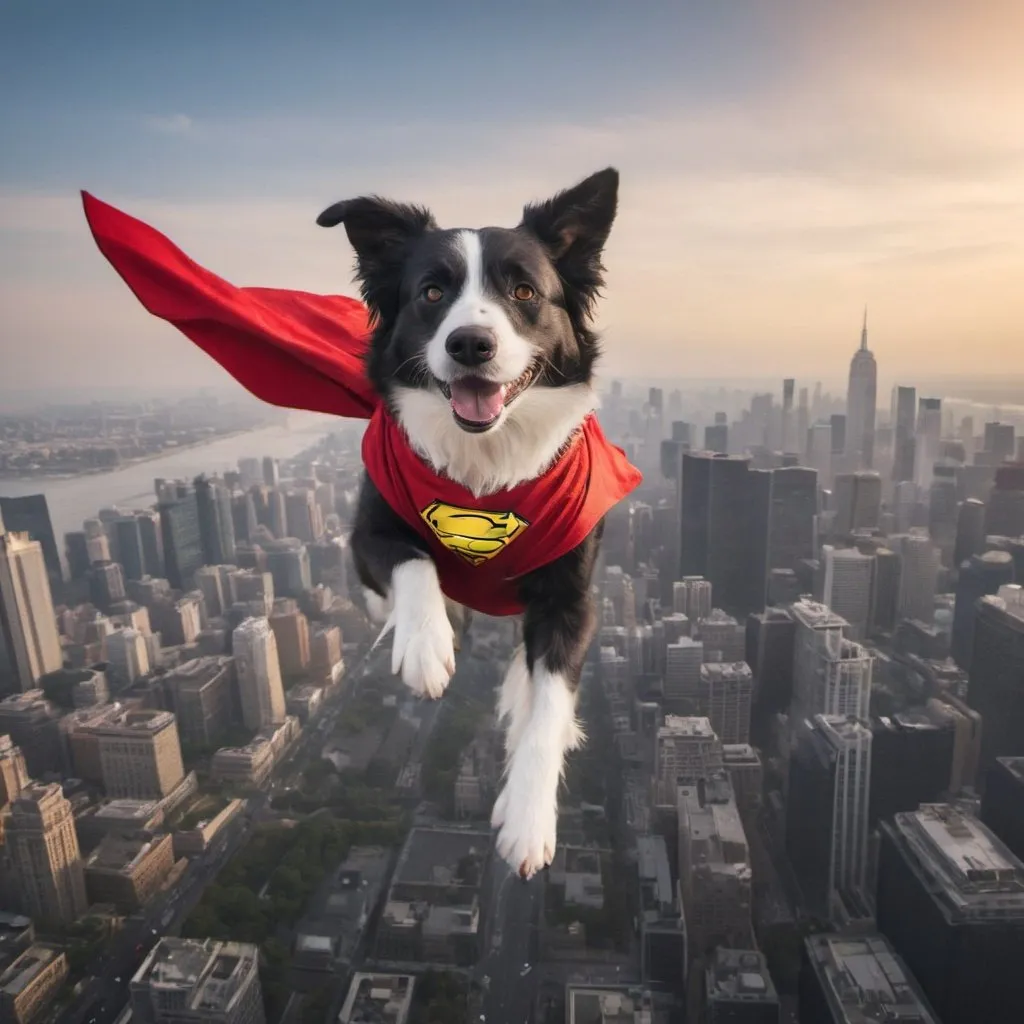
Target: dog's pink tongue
{"type": "Point", "coordinates": [476, 401]}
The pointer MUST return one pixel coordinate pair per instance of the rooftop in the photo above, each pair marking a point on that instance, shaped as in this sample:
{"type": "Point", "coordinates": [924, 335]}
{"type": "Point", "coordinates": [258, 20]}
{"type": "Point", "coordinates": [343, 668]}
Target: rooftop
{"type": "Point", "coordinates": [431, 855]}
{"type": "Point", "coordinates": [815, 615]}
{"type": "Point", "coordinates": [210, 973]}
{"type": "Point", "coordinates": [740, 975]}
{"type": "Point", "coordinates": [866, 982]}
{"type": "Point", "coordinates": [378, 999]}
{"type": "Point", "coordinates": [726, 671]}
{"type": "Point", "coordinates": [121, 853]}
{"type": "Point", "coordinates": [20, 974]}
{"type": "Point", "coordinates": [976, 874]}
{"type": "Point", "coordinates": [677, 725]}
{"type": "Point", "coordinates": [608, 1005]}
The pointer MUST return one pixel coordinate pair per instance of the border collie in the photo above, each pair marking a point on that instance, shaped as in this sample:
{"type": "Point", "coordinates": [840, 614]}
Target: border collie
{"type": "Point", "coordinates": [483, 350]}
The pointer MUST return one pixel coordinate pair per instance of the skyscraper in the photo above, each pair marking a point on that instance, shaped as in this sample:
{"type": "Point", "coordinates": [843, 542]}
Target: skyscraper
{"type": "Point", "coordinates": [904, 413]}
{"type": "Point", "coordinates": [44, 848]}
{"type": "Point", "coordinates": [794, 506]}
{"type": "Point", "coordinates": [31, 514]}
{"type": "Point", "coordinates": [29, 643]}
{"type": "Point", "coordinates": [827, 812]}
{"type": "Point", "coordinates": [259, 674]}
{"type": "Point", "coordinates": [861, 396]}
{"type": "Point", "coordinates": [980, 575]}
{"type": "Point", "coordinates": [858, 502]}
{"type": "Point", "coordinates": [216, 523]}
{"type": "Point", "coordinates": [846, 589]}
{"type": "Point", "coordinates": [182, 540]}
{"type": "Point", "coordinates": [970, 530]}
{"type": "Point", "coordinates": [919, 576]}
{"type": "Point", "coordinates": [725, 511]}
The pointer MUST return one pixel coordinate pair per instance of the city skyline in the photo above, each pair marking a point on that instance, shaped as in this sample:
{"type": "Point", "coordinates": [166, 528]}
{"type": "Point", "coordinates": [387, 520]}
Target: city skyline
{"type": "Point", "coordinates": [779, 170]}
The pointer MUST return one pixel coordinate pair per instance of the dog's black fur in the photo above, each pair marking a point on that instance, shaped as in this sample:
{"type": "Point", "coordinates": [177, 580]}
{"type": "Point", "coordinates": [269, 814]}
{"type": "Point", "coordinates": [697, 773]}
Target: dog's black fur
{"type": "Point", "coordinates": [556, 250]}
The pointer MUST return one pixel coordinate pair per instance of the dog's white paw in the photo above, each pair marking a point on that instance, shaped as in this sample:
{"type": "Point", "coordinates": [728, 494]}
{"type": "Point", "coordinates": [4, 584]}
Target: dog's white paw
{"type": "Point", "coordinates": [423, 651]}
{"type": "Point", "coordinates": [526, 814]}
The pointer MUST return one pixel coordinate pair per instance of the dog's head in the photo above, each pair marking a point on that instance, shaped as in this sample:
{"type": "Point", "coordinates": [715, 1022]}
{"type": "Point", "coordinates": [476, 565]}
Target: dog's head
{"type": "Point", "coordinates": [477, 318]}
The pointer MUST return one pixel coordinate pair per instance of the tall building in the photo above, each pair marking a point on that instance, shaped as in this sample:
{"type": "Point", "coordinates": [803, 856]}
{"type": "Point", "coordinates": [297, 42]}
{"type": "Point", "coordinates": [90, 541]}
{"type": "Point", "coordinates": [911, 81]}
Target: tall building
{"type": "Point", "coordinates": [861, 396]}
{"type": "Point", "coordinates": [1002, 806]}
{"type": "Point", "coordinates": [180, 532]}
{"type": "Point", "coordinates": [997, 674]}
{"type": "Point", "coordinates": [259, 674]}
{"type": "Point", "coordinates": [858, 502]}
{"type": "Point", "coordinates": [847, 587]}
{"type": "Point", "coordinates": [819, 451]}
{"type": "Point", "coordinates": [979, 576]}
{"type": "Point", "coordinates": [131, 551]}
{"type": "Point", "coordinates": [29, 643]}
{"type": "Point", "coordinates": [30, 514]}
{"type": "Point", "coordinates": [739, 989]}
{"type": "Point", "coordinates": [929, 439]}
{"type": "Point", "coordinates": [1004, 513]}
{"type": "Point", "coordinates": [858, 979]}
{"type": "Point", "coordinates": [44, 848]}
{"type": "Point", "coordinates": [919, 574]}
{"type": "Point", "coordinates": [904, 413]}
{"type": "Point", "coordinates": [770, 639]}
{"type": "Point", "coordinates": [14, 775]}
{"type": "Point", "coordinates": [794, 507]}
{"type": "Point", "coordinates": [216, 523]}
{"type": "Point", "coordinates": [827, 812]}
{"type": "Point", "coordinates": [139, 752]}
{"type": "Point", "coordinates": [686, 750]}
{"type": "Point", "coordinates": [950, 899]}
{"type": "Point", "coordinates": [728, 689]}
{"type": "Point", "coordinates": [185, 981]}
{"type": "Point", "coordinates": [692, 597]}
{"type": "Point", "coordinates": [725, 511]}
{"type": "Point", "coordinates": [970, 530]}
{"type": "Point", "coordinates": [999, 441]}
{"type": "Point", "coordinates": [831, 675]}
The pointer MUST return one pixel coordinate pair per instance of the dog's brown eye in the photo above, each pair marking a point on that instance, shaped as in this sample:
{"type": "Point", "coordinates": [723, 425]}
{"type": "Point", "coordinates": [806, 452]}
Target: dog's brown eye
{"type": "Point", "coordinates": [523, 292]}
{"type": "Point", "coordinates": [432, 293]}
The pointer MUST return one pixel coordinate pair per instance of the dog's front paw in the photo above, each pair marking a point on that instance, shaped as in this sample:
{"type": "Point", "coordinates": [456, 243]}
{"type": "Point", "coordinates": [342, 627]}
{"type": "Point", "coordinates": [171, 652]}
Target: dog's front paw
{"type": "Point", "coordinates": [424, 643]}
{"type": "Point", "coordinates": [526, 813]}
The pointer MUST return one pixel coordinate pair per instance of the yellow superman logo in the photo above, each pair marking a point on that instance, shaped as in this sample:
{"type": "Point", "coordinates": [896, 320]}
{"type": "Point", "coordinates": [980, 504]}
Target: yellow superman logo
{"type": "Point", "coordinates": [473, 535]}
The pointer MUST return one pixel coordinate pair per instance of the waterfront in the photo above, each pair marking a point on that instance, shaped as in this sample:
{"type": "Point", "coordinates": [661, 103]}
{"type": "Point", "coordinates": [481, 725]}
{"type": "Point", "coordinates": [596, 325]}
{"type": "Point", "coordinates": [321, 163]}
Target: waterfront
{"type": "Point", "coordinates": [76, 498]}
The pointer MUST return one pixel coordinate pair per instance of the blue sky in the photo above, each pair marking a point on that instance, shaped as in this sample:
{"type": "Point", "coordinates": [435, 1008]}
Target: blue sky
{"type": "Point", "coordinates": [783, 162]}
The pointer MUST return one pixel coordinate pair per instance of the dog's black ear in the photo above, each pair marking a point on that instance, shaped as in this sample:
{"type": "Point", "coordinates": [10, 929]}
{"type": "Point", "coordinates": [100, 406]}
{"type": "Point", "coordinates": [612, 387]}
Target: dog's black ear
{"type": "Point", "coordinates": [380, 232]}
{"type": "Point", "coordinates": [574, 226]}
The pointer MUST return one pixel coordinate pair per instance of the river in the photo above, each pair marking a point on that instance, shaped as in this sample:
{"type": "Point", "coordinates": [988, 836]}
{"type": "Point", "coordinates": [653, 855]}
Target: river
{"type": "Point", "coordinates": [74, 499]}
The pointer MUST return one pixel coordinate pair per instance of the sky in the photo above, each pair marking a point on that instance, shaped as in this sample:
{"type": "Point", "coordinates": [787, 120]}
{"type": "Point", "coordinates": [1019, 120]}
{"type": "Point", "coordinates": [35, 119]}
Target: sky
{"type": "Point", "coordinates": [783, 164]}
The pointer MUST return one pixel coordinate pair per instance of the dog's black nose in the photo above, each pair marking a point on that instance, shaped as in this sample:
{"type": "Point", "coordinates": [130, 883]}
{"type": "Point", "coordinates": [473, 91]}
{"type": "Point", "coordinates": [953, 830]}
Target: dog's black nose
{"type": "Point", "coordinates": [471, 346]}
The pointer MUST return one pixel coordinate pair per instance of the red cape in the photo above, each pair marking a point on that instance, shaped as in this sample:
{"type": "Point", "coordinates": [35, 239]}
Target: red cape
{"type": "Point", "coordinates": [306, 351]}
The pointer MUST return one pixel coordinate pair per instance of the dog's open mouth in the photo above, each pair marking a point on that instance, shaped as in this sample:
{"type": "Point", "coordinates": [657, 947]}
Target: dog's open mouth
{"type": "Point", "coordinates": [477, 403]}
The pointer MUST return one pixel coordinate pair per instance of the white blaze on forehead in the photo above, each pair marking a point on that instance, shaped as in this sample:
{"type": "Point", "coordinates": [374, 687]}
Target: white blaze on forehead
{"type": "Point", "coordinates": [475, 307]}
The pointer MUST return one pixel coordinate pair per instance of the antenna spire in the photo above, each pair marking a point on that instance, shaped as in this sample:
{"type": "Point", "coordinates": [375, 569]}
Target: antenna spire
{"type": "Point", "coordinates": [864, 332]}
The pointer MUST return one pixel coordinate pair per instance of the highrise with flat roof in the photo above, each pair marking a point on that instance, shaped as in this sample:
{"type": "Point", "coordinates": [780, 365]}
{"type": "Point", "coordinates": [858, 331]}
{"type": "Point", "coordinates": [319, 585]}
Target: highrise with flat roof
{"type": "Point", "coordinates": [739, 989]}
{"type": "Point", "coordinates": [259, 674]}
{"type": "Point", "coordinates": [44, 848]}
{"type": "Point", "coordinates": [951, 901]}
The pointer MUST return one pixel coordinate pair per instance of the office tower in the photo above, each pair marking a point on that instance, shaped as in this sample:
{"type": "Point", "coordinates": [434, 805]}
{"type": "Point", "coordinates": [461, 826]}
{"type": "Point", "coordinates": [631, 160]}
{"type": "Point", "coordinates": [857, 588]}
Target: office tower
{"type": "Point", "coordinates": [728, 688]}
{"type": "Point", "coordinates": [148, 521]}
{"type": "Point", "coordinates": [212, 583]}
{"type": "Point", "coordinates": [304, 519]}
{"type": "Point", "coordinates": [33, 723]}
{"type": "Point", "coordinates": [942, 510]}
{"type": "Point", "coordinates": [683, 660]}
{"type": "Point", "coordinates": [250, 472]}
{"type": "Point", "coordinates": [904, 413]}
{"type": "Point", "coordinates": [831, 675]}
{"type": "Point", "coordinates": [251, 587]}
{"type": "Point", "coordinates": [858, 502]}
{"type": "Point", "coordinates": [271, 474]}
{"type": "Point", "coordinates": [76, 551]}
{"type": "Point", "coordinates": [188, 981]}
{"type": "Point", "coordinates": [979, 575]}
{"type": "Point", "coordinates": [739, 989]}
{"type": "Point", "coordinates": [128, 655]}
{"type": "Point", "coordinates": [716, 438]}
{"type": "Point", "coordinates": [970, 530]}
{"type": "Point", "coordinates": [1000, 442]}
{"type": "Point", "coordinates": [139, 751]}
{"type": "Point", "coordinates": [857, 979]}
{"type": "Point", "coordinates": [725, 510]}
{"type": "Point", "coordinates": [43, 846]}
{"type": "Point", "coordinates": [794, 506]}
{"type": "Point", "coordinates": [106, 584]}
{"type": "Point", "coordinates": [216, 523]}
{"type": "Point", "coordinates": [1004, 513]}
{"type": "Point", "coordinates": [819, 451]}
{"type": "Point", "coordinates": [714, 867]}
{"type": "Point", "coordinates": [1002, 806]}
{"type": "Point", "coordinates": [29, 643]}
{"type": "Point", "coordinates": [997, 674]}
{"type": "Point", "coordinates": [202, 693]}
{"type": "Point", "coordinates": [288, 563]}
{"type": "Point", "coordinates": [885, 592]}
{"type": "Point", "coordinates": [860, 403]}
{"type": "Point", "coordinates": [686, 749]}
{"type": "Point", "coordinates": [788, 436]}
{"type": "Point", "coordinates": [291, 631]}
{"type": "Point", "coordinates": [929, 438]}
{"type": "Point", "coordinates": [950, 899]}
{"type": "Point", "coordinates": [911, 760]}
{"type": "Point", "coordinates": [771, 635]}
{"type": "Point", "coordinates": [180, 533]}
{"type": "Point", "coordinates": [692, 596]}
{"type": "Point", "coordinates": [259, 674]}
{"type": "Point", "coordinates": [847, 587]}
{"type": "Point", "coordinates": [14, 775]}
{"type": "Point", "coordinates": [243, 515]}
{"type": "Point", "coordinates": [827, 811]}
{"type": "Point", "coordinates": [723, 637]}
{"type": "Point", "coordinates": [129, 546]}
{"type": "Point", "coordinates": [31, 514]}
{"type": "Point", "coordinates": [919, 573]}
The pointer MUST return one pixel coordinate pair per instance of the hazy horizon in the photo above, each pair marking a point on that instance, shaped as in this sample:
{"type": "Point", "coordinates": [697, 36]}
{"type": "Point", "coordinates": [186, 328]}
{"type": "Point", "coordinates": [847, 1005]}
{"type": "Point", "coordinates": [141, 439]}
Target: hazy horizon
{"type": "Point", "coordinates": [782, 166]}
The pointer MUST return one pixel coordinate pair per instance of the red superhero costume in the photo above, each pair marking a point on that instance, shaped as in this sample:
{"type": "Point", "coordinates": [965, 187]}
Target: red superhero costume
{"type": "Point", "coordinates": [306, 351]}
